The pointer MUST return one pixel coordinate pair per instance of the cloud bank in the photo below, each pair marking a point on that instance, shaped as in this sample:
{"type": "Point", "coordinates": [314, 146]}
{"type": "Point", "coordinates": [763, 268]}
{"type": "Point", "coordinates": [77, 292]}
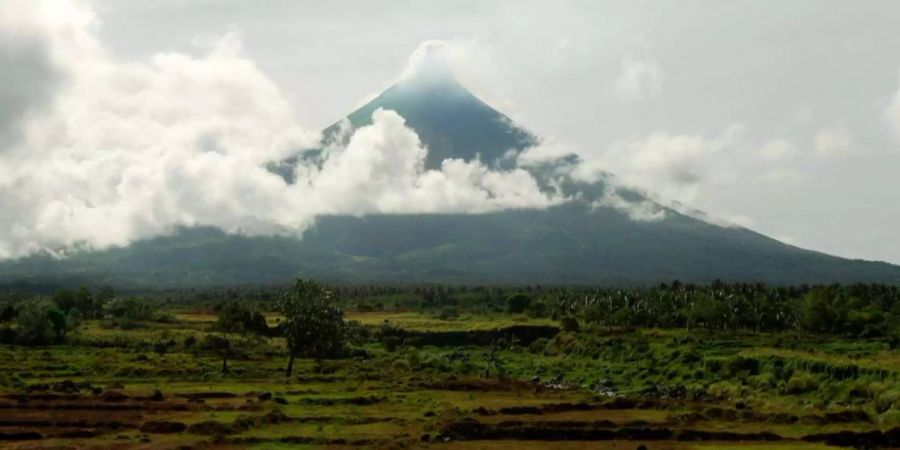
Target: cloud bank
{"type": "Point", "coordinates": [98, 152]}
{"type": "Point", "coordinates": [892, 113]}
{"type": "Point", "coordinates": [640, 79]}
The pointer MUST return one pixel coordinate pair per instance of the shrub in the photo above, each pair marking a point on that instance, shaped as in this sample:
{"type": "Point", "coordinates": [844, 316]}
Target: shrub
{"type": "Point", "coordinates": [724, 390]}
{"type": "Point", "coordinates": [391, 342]}
{"type": "Point", "coordinates": [538, 345]}
{"type": "Point", "coordinates": [763, 381]}
{"type": "Point", "coordinates": [449, 312]}
{"type": "Point", "coordinates": [518, 303]}
{"type": "Point", "coordinates": [569, 324]}
{"type": "Point", "coordinates": [801, 383]}
{"type": "Point", "coordinates": [400, 365]}
{"type": "Point", "coordinates": [888, 400]}
{"type": "Point", "coordinates": [41, 322]}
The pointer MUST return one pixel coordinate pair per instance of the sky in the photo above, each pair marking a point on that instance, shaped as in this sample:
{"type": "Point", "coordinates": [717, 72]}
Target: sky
{"type": "Point", "coordinates": [121, 119]}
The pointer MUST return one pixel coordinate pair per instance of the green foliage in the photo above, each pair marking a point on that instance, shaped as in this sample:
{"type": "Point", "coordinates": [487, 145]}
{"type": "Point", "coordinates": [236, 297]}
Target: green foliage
{"type": "Point", "coordinates": [538, 345]}
{"type": "Point", "coordinates": [449, 312]}
{"type": "Point", "coordinates": [313, 324]}
{"type": "Point", "coordinates": [41, 322]}
{"type": "Point", "coordinates": [801, 383]}
{"type": "Point", "coordinates": [235, 327]}
{"type": "Point", "coordinates": [7, 314]}
{"type": "Point", "coordinates": [518, 303]}
{"type": "Point", "coordinates": [132, 309]}
{"type": "Point", "coordinates": [236, 318]}
{"type": "Point", "coordinates": [569, 324]}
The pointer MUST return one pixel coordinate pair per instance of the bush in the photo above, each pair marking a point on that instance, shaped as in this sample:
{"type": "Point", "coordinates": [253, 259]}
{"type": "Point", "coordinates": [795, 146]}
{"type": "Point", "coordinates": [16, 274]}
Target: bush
{"type": "Point", "coordinates": [400, 365]}
{"type": "Point", "coordinates": [888, 400]}
{"type": "Point", "coordinates": [569, 324]}
{"type": "Point", "coordinates": [518, 303]}
{"type": "Point", "coordinates": [449, 312]}
{"type": "Point", "coordinates": [131, 309]}
{"type": "Point", "coordinates": [538, 345]}
{"type": "Point", "coordinates": [391, 342]}
{"type": "Point", "coordinates": [801, 383]}
{"type": "Point", "coordinates": [41, 322]}
{"type": "Point", "coordinates": [763, 381]}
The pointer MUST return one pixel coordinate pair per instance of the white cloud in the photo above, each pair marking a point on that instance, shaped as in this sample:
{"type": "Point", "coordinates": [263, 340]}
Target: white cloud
{"type": "Point", "coordinates": [673, 166]}
{"type": "Point", "coordinates": [640, 79]}
{"type": "Point", "coordinates": [382, 171]}
{"type": "Point", "coordinates": [547, 151]}
{"type": "Point", "coordinates": [128, 150]}
{"type": "Point", "coordinates": [892, 114]}
{"type": "Point", "coordinates": [834, 142]}
{"type": "Point", "coordinates": [777, 149]}
{"type": "Point", "coordinates": [639, 211]}
{"type": "Point", "coordinates": [30, 74]}
{"type": "Point", "coordinates": [783, 177]}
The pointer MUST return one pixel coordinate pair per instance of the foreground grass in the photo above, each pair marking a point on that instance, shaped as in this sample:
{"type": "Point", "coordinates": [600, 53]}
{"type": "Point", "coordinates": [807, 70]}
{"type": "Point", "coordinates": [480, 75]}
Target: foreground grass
{"type": "Point", "coordinates": [395, 398]}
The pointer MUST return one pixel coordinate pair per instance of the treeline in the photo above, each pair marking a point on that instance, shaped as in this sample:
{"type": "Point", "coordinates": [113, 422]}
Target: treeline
{"type": "Point", "coordinates": [860, 310]}
{"type": "Point", "coordinates": [310, 320]}
{"type": "Point", "coordinates": [41, 319]}
{"type": "Point", "coordinates": [856, 310]}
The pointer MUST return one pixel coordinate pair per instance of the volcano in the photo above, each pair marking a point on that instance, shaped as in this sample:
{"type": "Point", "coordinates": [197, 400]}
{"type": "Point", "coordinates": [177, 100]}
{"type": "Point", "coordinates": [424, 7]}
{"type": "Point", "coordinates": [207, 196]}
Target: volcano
{"type": "Point", "coordinates": [591, 239]}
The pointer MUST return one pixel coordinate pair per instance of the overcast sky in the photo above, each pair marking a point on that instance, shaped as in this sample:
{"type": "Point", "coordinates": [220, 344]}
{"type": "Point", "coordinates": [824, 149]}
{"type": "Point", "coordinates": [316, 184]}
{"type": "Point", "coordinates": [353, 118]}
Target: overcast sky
{"type": "Point", "coordinates": [782, 116]}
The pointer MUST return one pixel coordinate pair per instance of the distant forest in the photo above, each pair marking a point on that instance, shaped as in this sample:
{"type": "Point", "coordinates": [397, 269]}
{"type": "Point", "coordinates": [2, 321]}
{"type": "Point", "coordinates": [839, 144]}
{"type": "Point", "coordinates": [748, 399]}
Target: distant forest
{"type": "Point", "coordinates": [860, 310]}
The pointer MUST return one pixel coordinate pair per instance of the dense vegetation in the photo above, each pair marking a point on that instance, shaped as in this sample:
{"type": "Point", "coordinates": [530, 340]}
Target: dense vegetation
{"type": "Point", "coordinates": [853, 311]}
{"type": "Point", "coordinates": [861, 310]}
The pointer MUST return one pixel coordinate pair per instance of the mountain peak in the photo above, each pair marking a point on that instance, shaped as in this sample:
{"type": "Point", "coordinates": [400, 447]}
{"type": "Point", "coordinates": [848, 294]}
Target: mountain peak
{"type": "Point", "coordinates": [450, 120]}
{"type": "Point", "coordinates": [429, 65]}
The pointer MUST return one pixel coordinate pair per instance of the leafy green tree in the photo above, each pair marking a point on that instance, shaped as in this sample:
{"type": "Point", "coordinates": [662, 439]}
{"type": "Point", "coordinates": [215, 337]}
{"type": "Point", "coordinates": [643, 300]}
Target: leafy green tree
{"type": "Point", "coordinates": [84, 301]}
{"type": "Point", "coordinates": [518, 303]}
{"type": "Point", "coordinates": [104, 295]}
{"type": "Point", "coordinates": [235, 327]}
{"type": "Point", "coordinates": [818, 313]}
{"type": "Point", "coordinates": [313, 324]}
{"type": "Point", "coordinates": [8, 313]}
{"type": "Point", "coordinates": [131, 309]}
{"type": "Point", "coordinates": [569, 324]}
{"type": "Point", "coordinates": [65, 300]}
{"type": "Point", "coordinates": [41, 322]}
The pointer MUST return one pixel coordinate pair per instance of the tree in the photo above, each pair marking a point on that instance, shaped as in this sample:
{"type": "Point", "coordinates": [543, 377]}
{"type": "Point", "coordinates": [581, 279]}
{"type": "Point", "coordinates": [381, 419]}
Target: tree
{"type": "Point", "coordinates": [41, 322]}
{"type": "Point", "coordinates": [235, 326]}
{"type": "Point", "coordinates": [131, 309]}
{"type": "Point", "coordinates": [817, 312]}
{"type": "Point", "coordinates": [65, 300]}
{"type": "Point", "coordinates": [104, 295]}
{"type": "Point", "coordinates": [8, 314]}
{"type": "Point", "coordinates": [518, 303]}
{"type": "Point", "coordinates": [313, 325]}
{"type": "Point", "coordinates": [569, 324]}
{"type": "Point", "coordinates": [84, 301]}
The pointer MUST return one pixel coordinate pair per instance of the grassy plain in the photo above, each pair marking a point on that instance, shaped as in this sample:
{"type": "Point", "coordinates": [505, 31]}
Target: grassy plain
{"type": "Point", "coordinates": [151, 385]}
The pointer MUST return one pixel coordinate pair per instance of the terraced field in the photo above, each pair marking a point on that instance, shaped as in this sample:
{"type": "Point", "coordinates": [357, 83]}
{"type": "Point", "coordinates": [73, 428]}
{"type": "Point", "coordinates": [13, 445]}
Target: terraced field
{"type": "Point", "coordinates": [114, 388]}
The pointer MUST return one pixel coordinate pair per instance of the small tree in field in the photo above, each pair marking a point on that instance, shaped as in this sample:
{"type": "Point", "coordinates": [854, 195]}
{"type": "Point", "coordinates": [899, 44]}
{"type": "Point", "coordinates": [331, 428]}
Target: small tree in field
{"type": "Point", "coordinates": [313, 326]}
{"type": "Point", "coordinates": [518, 303]}
{"type": "Point", "coordinates": [235, 327]}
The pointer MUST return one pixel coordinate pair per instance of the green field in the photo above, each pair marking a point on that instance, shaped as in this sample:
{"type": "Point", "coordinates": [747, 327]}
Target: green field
{"type": "Point", "coordinates": [426, 378]}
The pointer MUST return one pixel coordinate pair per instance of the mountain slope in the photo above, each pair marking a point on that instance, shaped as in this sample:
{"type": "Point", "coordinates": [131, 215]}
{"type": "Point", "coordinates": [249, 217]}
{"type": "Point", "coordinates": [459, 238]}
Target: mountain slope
{"type": "Point", "coordinates": [448, 118]}
{"type": "Point", "coordinates": [565, 244]}
{"type": "Point", "coordinates": [584, 241]}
